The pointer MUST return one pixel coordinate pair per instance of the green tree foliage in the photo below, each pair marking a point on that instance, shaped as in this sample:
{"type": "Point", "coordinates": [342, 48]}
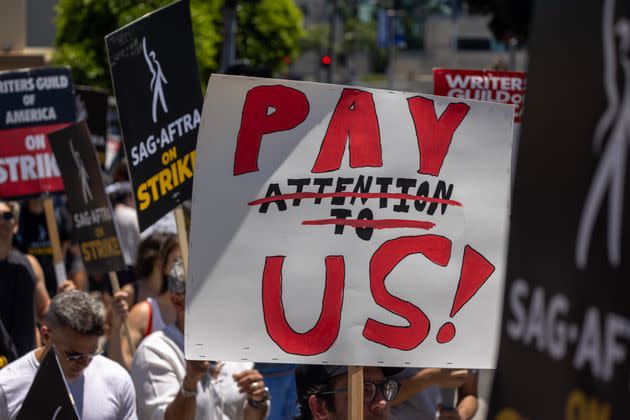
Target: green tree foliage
{"type": "Point", "coordinates": [315, 37]}
{"type": "Point", "coordinates": [268, 31]}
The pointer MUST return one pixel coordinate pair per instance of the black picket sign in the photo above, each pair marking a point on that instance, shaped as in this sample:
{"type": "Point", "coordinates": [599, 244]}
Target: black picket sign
{"type": "Point", "coordinates": [156, 83]}
{"type": "Point", "coordinates": [566, 322]}
{"type": "Point", "coordinates": [92, 217]}
{"type": "Point", "coordinates": [91, 107]}
{"type": "Point", "coordinates": [32, 97]}
{"type": "Point", "coordinates": [48, 396]}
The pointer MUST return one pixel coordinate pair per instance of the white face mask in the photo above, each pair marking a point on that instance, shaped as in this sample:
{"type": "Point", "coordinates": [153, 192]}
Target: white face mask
{"type": "Point", "coordinates": [177, 278]}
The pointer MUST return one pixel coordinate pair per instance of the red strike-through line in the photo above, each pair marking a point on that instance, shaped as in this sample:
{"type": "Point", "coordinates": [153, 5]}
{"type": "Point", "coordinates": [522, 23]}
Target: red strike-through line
{"type": "Point", "coordinates": [375, 224]}
{"type": "Point", "coordinates": [302, 195]}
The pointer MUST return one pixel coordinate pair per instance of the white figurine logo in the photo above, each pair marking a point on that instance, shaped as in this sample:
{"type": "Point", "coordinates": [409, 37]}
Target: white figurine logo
{"type": "Point", "coordinates": [83, 175]}
{"type": "Point", "coordinates": [157, 78]}
{"type": "Point", "coordinates": [614, 126]}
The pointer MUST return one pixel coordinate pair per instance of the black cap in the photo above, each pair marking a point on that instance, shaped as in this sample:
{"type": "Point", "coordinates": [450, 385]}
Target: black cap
{"type": "Point", "coordinates": [307, 376]}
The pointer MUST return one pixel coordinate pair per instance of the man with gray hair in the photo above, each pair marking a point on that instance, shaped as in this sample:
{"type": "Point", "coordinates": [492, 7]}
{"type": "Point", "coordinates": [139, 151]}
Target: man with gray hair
{"type": "Point", "coordinates": [101, 388]}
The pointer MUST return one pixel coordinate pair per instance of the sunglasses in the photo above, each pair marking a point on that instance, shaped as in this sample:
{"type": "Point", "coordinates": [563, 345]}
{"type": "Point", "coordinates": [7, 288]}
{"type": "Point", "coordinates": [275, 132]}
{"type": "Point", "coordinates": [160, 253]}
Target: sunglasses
{"type": "Point", "coordinates": [7, 216]}
{"type": "Point", "coordinates": [389, 389]}
{"type": "Point", "coordinates": [75, 357]}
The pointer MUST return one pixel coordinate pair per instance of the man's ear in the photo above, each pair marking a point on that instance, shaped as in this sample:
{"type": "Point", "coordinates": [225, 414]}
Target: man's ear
{"type": "Point", "coordinates": [46, 336]}
{"type": "Point", "coordinates": [318, 407]}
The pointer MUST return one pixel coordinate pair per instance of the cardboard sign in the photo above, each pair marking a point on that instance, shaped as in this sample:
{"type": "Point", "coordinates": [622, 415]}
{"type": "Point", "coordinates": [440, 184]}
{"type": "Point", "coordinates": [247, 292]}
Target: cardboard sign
{"type": "Point", "coordinates": [507, 87]}
{"type": "Point", "coordinates": [92, 217]}
{"type": "Point", "coordinates": [347, 225]}
{"type": "Point", "coordinates": [33, 102]}
{"type": "Point", "coordinates": [566, 312]}
{"type": "Point", "coordinates": [154, 70]}
{"type": "Point", "coordinates": [91, 107]}
{"type": "Point", "coordinates": [48, 396]}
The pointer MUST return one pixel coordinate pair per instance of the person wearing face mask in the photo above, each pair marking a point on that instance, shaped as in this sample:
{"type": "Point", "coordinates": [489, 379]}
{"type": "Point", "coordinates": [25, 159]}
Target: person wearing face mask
{"type": "Point", "coordinates": [153, 309]}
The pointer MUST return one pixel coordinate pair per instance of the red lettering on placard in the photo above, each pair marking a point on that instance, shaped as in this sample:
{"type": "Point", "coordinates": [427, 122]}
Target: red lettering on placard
{"type": "Point", "coordinates": [322, 336]}
{"type": "Point", "coordinates": [438, 250]}
{"type": "Point", "coordinates": [267, 109]}
{"type": "Point", "coordinates": [354, 119]}
{"type": "Point", "coordinates": [476, 269]}
{"type": "Point", "coordinates": [434, 134]}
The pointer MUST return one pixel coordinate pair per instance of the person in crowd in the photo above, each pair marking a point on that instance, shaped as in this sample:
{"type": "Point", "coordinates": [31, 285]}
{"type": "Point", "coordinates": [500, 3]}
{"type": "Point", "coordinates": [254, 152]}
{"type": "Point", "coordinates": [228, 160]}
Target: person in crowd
{"type": "Point", "coordinates": [23, 295]}
{"type": "Point", "coordinates": [424, 394]}
{"type": "Point", "coordinates": [8, 353]}
{"type": "Point", "coordinates": [323, 392]}
{"type": "Point", "coordinates": [125, 215]}
{"type": "Point", "coordinates": [171, 387]}
{"type": "Point", "coordinates": [100, 388]}
{"type": "Point", "coordinates": [280, 379]}
{"type": "Point", "coordinates": [32, 238]}
{"type": "Point", "coordinates": [154, 310]}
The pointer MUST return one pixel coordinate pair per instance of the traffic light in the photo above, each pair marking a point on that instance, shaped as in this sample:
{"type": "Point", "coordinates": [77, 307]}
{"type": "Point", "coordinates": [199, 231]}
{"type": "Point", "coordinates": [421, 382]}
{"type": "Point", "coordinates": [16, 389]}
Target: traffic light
{"type": "Point", "coordinates": [326, 61]}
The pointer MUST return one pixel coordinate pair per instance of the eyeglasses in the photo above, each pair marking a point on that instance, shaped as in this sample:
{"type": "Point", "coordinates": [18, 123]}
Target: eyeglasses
{"type": "Point", "coordinates": [389, 388]}
{"type": "Point", "coordinates": [7, 216]}
{"type": "Point", "coordinates": [75, 357]}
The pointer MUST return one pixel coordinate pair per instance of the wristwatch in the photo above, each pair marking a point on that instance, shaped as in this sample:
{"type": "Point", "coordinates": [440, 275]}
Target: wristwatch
{"type": "Point", "coordinates": [186, 393]}
{"type": "Point", "coordinates": [258, 404]}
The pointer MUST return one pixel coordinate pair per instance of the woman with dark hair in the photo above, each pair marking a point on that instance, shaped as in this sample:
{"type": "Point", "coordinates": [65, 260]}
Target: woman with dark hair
{"type": "Point", "coordinates": [153, 310]}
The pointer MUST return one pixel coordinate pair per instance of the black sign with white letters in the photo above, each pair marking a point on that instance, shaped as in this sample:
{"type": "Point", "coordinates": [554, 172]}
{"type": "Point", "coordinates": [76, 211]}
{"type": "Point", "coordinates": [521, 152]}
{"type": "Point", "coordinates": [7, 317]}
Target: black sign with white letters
{"type": "Point", "coordinates": [92, 217]}
{"type": "Point", "coordinates": [91, 107]}
{"type": "Point", "coordinates": [565, 342]}
{"type": "Point", "coordinates": [156, 83]}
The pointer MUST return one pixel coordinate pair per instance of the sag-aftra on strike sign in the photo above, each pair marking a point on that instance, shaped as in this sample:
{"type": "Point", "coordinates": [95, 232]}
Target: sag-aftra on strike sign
{"type": "Point", "coordinates": [347, 225]}
{"type": "Point", "coordinates": [159, 100]}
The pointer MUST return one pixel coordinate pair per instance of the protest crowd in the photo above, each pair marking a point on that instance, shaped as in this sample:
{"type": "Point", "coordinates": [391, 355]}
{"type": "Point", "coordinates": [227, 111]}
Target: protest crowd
{"type": "Point", "coordinates": [109, 311]}
{"type": "Point", "coordinates": [83, 319]}
{"type": "Point", "coordinates": [182, 244]}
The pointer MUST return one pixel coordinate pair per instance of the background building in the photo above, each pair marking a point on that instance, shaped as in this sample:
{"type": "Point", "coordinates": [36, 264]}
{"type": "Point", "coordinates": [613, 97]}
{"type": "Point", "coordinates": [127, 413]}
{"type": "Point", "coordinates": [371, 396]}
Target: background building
{"type": "Point", "coordinates": [27, 33]}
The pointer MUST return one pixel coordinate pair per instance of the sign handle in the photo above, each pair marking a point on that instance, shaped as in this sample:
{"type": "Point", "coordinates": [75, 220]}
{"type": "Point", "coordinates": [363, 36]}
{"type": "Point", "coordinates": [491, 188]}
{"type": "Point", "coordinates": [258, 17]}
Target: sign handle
{"type": "Point", "coordinates": [53, 234]}
{"type": "Point", "coordinates": [183, 236]}
{"type": "Point", "coordinates": [355, 392]}
{"type": "Point", "coordinates": [113, 279]}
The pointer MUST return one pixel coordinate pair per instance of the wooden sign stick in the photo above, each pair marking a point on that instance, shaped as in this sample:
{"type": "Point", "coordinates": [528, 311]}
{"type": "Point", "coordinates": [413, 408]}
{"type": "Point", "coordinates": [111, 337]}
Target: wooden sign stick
{"type": "Point", "coordinates": [113, 279]}
{"type": "Point", "coordinates": [183, 236]}
{"type": "Point", "coordinates": [53, 234]}
{"type": "Point", "coordinates": [355, 392]}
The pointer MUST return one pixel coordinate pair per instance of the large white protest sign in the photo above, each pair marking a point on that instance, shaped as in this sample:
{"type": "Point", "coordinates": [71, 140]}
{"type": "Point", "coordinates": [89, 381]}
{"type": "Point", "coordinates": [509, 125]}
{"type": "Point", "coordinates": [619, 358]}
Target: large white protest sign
{"type": "Point", "coordinates": [347, 225]}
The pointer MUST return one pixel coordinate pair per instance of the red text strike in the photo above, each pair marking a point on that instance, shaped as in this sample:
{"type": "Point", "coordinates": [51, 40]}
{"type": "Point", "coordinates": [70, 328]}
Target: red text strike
{"type": "Point", "coordinates": [437, 249]}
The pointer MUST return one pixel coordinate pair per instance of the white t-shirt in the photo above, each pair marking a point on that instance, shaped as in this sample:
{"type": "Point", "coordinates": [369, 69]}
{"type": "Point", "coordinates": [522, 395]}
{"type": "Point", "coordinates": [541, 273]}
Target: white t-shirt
{"type": "Point", "coordinates": [158, 370]}
{"type": "Point", "coordinates": [103, 392]}
{"type": "Point", "coordinates": [165, 224]}
{"type": "Point", "coordinates": [128, 232]}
